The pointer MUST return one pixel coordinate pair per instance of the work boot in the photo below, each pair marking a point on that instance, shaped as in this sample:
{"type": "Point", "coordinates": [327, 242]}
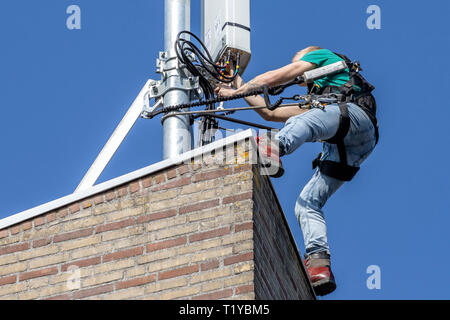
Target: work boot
{"type": "Point", "coordinates": [268, 153]}
{"type": "Point", "coordinates": [320, 274]}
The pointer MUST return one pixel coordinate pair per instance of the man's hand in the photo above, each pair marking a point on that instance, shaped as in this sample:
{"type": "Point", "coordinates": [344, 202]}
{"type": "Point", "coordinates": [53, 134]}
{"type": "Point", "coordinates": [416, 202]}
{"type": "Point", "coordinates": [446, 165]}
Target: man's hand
{"type": "Point", "coordinates": [224, 91]}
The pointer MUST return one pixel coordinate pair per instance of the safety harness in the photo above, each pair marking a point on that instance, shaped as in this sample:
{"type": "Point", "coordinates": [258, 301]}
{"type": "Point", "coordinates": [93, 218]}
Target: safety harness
{"type": "Point", "coordinates": [364, 99]}
{"type": "Point", "coordinates": [317, 97]}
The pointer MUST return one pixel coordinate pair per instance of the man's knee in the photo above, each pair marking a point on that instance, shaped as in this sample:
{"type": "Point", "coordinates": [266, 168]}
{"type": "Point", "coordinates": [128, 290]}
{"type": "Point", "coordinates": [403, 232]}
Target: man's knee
{"type": "Point", "coordinates": [306, 204]}
{"type": "Point", "coordinates": [294, 134]}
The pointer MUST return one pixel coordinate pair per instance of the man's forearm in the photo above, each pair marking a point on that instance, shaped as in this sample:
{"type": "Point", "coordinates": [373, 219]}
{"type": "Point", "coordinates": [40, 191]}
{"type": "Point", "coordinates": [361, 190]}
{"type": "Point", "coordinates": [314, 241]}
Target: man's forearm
{"type": "Point", "coordinates": [276, 77]}
{"type": "Point", "coordinates": [277, 115]}
{"type": "Point", "coordinates": [253, 101]}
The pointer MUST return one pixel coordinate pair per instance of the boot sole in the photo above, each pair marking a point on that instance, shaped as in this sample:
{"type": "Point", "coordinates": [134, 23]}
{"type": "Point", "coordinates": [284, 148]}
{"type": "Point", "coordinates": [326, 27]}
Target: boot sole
{"type": "Point", "coordinates": [324, 287]}
{"type": "Point", "coordinates": [278, 174]}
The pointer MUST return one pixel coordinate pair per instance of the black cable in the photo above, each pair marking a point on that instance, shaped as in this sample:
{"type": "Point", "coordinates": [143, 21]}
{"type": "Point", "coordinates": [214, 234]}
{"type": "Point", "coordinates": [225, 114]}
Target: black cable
{"type": "Point", "coordinates": [198, 59]}
{"type": "Point", "coordinates": [182, 48]}
{"type": "Point", "coordinates": [206, 62]}
{"type": "Point", "coordinates": [185, 49]}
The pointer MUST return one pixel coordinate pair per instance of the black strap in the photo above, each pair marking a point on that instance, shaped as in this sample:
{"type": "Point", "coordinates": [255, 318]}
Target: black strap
{"type": "Point", "coordinates": [338, 170]}
{"type": "Point", "coordinates": [344, 127]}
{"type": "Point", "coordinates": [365, 101]}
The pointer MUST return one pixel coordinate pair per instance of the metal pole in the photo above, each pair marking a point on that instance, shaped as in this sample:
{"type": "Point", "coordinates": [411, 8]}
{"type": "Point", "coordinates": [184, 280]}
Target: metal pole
{"type": "Point", "coordinates": [177, 131]}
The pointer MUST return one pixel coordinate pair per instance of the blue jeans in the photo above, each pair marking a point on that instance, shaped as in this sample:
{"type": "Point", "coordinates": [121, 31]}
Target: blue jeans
{"type": "Point", "coordinates": [313, 126]}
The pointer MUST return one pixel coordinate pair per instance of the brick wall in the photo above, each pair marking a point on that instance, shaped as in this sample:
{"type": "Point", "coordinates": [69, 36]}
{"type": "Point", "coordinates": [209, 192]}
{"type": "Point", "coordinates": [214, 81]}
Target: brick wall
{"type": "Point", "coordinates": [187, 231]}
{"type": "Point", "coordinates": [279, 274]}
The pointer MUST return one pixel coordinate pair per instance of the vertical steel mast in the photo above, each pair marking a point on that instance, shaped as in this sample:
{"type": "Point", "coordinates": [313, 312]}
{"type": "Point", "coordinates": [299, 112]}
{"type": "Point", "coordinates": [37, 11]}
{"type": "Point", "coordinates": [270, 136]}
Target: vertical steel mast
{"type": "Point", "coordinates": [177, 131]}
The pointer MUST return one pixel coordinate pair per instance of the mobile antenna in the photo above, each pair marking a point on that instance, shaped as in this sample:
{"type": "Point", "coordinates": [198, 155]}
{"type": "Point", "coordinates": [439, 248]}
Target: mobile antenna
{"type": "Point", "coordinates": [226, 30]}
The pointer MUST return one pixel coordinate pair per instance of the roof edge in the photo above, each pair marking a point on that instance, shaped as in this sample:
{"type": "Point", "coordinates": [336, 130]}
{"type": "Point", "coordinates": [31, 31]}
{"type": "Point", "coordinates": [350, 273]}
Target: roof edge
{"type": "Point", "coordinates": [77, 196]}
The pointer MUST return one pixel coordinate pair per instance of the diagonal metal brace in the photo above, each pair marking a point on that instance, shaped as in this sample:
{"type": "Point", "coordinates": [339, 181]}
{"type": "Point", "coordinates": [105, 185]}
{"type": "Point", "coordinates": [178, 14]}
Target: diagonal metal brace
{"type": "Point", "coordinates": [115, 140]}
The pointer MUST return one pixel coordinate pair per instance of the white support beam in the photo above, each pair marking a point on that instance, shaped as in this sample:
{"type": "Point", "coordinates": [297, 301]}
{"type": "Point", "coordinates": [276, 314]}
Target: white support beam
{"type": "Point", "coordinates": [114, 141]}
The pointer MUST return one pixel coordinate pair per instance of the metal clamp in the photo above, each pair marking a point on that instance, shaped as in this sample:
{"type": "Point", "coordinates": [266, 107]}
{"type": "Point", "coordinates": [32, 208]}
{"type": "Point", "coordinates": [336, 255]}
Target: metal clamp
{"type": "Point", "coordinates": [164, 59]}
{"type": "Point", "coordinates": [157, 90]}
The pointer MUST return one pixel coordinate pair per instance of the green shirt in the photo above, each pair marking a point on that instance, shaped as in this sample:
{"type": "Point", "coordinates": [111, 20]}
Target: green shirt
{"type": "Point", "coordinates": [324, 57]}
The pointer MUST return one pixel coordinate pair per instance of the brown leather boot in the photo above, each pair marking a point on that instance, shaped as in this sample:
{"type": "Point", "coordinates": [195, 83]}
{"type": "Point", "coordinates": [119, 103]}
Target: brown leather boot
{"type": "Point", "coordinates": [319, 270]}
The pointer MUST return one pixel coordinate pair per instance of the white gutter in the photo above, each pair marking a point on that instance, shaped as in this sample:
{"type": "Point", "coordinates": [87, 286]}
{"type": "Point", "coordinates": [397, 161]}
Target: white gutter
{"type": "Point", "coordinates": [82, 194]}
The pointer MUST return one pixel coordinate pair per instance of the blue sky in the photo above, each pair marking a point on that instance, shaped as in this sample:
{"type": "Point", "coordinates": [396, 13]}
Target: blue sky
{"type": "Point", "coordinates": [62, 93]}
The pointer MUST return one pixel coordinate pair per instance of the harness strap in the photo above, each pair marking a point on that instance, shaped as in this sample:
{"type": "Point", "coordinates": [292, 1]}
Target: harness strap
{"type": "Point", "coordinates": [344, 127]}
{"type": "Point", "coordinates": [338, 170]}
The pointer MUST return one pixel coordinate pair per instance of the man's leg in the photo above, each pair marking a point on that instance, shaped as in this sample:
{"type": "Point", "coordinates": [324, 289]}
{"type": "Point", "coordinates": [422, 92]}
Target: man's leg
{"type": "Point", "coordinates": [312, 126]}
{"type": "Point", "coordinates": [360, 141]}
{"type": "Point", "coordinates": [308, 210]}
{"type": "Point", "coordinates": [317, 125]}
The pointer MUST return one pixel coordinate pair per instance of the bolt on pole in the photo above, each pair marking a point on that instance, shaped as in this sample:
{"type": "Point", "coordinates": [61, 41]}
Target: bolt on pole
{"type": "Point", "coordinates": [177, 131]}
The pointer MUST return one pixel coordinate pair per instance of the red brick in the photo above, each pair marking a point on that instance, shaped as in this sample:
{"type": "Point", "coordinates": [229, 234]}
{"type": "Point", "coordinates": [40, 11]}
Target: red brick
{"type": "Point", "coordinates": [110, 196]}
{"type": "Point", "coordinates": [135, 187]}
{"type": "Point", "coordinates": [211, 175]}
{"type": "Point", "coordinates": [14, 248]}
{"type": "Point", "coordinates": [243, 226]}
{"type": "Point", "coordinates": [93, 291]}
{"type": "Point", "coordinates": [51, 217]}
{"type": "Point", "coordinates": [66, 296]}
{"type": "Point", "coordinates": [62, 212]}
{"type": "Point", "coordinates": [239, 197]}
{"type": "Point", "coordinates": [242, 167]}
{"type": "Point", "coordinates": [147, 182]}
{"type": "Point", "coordinates": [87, 204]}
{"type": "Point", "coordinates": [209, 265]}
{"type": "Point", "coordinates": [81, 263]}
{"type": "Point", "coordinates": [8, 280]}
{"type": "Point", "coordinates": [166, 244]}
{"type": "Point", "coordinates": [123, 254]}
{"type": "Point", "coordinates": [26, 225]}
{"type": "Point", "coordinates": [199, 206]}
{"type": "Point", "coordinates": [215, 295]}
{"type": "Point", "coordinates": [99, 199]}
{"type": "Point", "coordinates": [74, 208]}
{"type": "Point", "coordinates": [209, 234]}
{"type": "Point", "coordinates": [122, 191]}
{"type": "Point", "coordinates": [135, 282]}
{"type": "Point", "coordinates": [15, 229]}
{"type": "Point", "coordinates": [177, 272]}
{"type": "Point", "coordinates": [173, 184]}
{"type": "Point", "coordinates": [41, 242]}
{"type": "Point", "coordinates": [160, 178]}
{"type": "Point", "coordinates": [38, 273]}
{"type": "Point", "coordinates": [245, 289]}
{"type": "Point", "coordinates": [73, 235]}
{"type": "Point", "coordinates": [114, 225]}
{"type": "Point", "coordinates": [4, 233]}
{"type": "Point", "coordinates": [171, 173]}
{"type": "Point", "coordinates": [183, 169]}
{"type": "Point", "coordinates": [157, 216]}
{"type": "Point", "coordinates": [39, 221]}
{"type": "Point", "coordinates": [238, 258]}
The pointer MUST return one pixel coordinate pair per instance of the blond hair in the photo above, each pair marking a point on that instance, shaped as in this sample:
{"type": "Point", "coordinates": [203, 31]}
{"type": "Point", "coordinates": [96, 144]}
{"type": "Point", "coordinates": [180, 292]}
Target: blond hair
{"type": "Point", "coordinates": [304, 51]}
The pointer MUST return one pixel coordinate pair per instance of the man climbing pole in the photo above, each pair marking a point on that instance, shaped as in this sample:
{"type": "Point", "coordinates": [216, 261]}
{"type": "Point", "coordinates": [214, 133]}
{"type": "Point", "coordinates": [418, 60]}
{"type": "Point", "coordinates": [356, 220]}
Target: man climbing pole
{"type": "Point", "coordinates": [349, 132]}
